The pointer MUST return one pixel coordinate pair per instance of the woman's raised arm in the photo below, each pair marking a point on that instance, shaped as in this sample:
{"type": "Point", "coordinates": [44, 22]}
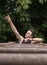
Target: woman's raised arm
{"type": "Point", "coordinates": [19, 37]}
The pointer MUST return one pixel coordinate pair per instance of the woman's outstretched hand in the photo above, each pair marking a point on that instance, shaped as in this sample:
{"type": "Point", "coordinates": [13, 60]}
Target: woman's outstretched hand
{"type": "Point", "coordinates": [8, 18]}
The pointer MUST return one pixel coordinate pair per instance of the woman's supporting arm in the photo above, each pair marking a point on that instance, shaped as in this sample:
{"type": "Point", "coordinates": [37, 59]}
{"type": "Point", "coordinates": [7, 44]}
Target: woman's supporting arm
{"type": "Point", "coordinates": [38, 40]}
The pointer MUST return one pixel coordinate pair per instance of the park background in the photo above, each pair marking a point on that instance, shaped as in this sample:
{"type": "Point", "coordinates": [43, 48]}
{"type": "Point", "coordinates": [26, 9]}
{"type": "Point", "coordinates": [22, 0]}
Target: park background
{"type": "Point", "coordinates": [25, 14]}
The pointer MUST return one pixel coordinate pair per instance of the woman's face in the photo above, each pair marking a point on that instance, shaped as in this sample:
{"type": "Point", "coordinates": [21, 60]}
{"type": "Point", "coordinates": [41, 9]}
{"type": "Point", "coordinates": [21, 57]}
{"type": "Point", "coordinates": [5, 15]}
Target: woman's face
{"type": "Point", "coordinates": [28, 34]}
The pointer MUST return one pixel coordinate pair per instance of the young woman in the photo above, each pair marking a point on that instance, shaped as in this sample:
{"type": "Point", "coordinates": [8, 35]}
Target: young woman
{"type": "Point", "coordinates": [28, 36]}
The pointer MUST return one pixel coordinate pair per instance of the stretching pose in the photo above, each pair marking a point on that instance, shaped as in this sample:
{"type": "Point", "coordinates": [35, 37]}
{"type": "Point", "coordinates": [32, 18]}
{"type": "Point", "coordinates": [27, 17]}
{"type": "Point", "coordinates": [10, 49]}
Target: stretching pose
{"type": "Point", "coordinates": [28, 36]}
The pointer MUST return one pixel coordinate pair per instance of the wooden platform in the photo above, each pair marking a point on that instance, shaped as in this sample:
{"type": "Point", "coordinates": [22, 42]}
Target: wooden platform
{"type": "Point", "coordinates": [23, 54]}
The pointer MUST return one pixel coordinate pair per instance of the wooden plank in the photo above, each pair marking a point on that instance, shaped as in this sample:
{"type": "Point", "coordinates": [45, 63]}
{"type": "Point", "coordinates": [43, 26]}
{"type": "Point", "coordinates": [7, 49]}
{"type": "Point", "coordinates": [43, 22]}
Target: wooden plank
{"type": "Point", "coordinates": [23, 59]}
{"type": "Point", "coordinates": [23, 54]}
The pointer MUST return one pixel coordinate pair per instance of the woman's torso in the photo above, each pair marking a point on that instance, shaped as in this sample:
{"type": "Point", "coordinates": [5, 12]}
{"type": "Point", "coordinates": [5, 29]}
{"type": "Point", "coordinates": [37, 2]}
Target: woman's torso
{"type": "Point", "coordinates": [25, 42]}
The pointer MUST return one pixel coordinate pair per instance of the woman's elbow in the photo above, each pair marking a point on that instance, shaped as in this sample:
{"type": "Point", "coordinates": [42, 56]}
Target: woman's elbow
{"type": "Point", "coordinates": [40, 40]}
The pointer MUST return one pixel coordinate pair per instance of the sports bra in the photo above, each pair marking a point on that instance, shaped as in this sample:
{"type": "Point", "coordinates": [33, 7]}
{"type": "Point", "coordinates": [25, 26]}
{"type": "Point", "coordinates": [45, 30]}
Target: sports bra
{"type": "Point", "coordinates": [28, 42]}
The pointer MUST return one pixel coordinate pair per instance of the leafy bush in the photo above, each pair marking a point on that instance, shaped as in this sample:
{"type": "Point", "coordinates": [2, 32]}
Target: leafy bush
{"type": "Point", "coordinates": [25, 14]}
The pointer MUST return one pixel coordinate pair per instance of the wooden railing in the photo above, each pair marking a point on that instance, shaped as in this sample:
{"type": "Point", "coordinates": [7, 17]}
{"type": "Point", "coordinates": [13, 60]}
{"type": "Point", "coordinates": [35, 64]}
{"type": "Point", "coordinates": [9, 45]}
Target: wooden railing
{"type": "Point", "coordinates": [23, 54]}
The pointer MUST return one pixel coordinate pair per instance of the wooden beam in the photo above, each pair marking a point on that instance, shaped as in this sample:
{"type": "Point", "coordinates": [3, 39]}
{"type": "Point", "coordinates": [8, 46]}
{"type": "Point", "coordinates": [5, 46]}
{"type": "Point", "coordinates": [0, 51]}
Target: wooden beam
{"type": "Point", "coordinates": [23, 54]}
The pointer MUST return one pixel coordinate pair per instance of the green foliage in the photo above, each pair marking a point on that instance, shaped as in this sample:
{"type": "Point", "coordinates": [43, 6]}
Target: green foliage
{"type": "Point", "coordinates": [24, 3]}
{"type": "Point", "coordinates": [42, 1]}
{"type": "Point", "coordinates": [25, 14]}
